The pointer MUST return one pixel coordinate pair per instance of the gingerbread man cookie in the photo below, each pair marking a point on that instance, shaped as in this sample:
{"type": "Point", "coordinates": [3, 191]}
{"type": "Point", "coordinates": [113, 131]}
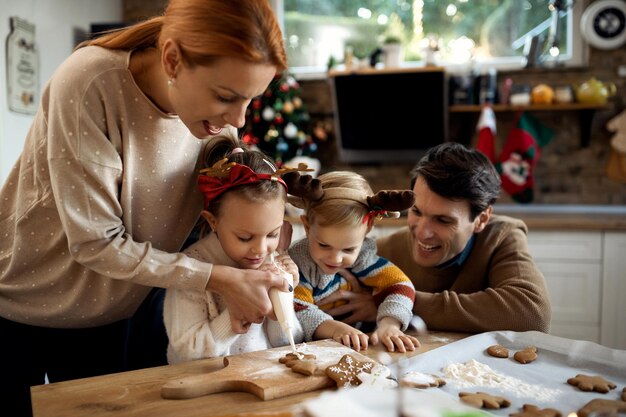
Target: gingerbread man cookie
{"type": "Point", "coordinates": [346, 370]}
{"type": "Point", "coordinates": [529, 410]}
{"type": "Point", "coordinates": [498, 351]}
{"type": "Point", "coordinates": [601, 406]}
{"type": "Point", "coordinates": [378, 377]}
{"type": "Point", "coordinates": [416, 379]}
{"type": "Point", "coordinates": [591, 383]}
{"type": "Point", "coordinates": [299, 362]}
{"type": "Point", "coordinates": [484, 400]}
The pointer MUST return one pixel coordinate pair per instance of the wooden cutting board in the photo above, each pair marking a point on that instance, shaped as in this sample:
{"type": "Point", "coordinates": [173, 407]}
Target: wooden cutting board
{"type": "Point", "coordinates": [260, 373]}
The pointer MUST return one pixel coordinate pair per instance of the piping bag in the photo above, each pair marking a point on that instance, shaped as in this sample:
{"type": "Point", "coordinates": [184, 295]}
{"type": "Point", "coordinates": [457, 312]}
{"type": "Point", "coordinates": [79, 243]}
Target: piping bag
{"type": "Point", "coordinates": [283, 305]}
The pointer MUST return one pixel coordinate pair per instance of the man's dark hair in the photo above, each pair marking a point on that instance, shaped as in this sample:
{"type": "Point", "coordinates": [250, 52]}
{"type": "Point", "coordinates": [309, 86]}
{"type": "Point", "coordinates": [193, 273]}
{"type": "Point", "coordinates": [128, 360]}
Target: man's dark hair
{"type": "Point", "coordinates": [457, 173]}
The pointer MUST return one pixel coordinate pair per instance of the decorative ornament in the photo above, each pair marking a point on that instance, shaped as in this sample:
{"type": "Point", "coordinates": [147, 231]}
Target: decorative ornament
{"type": "Point", "coordinates": [268, 113]}
{"type": "Point", "coordinates": [281, 146]}
{"type": "Point", "coordinates": [271, 134]}
{"type": "Point", "coordinates": [290, 130]}
{"type": "Point", "coordinates": [288, 107]}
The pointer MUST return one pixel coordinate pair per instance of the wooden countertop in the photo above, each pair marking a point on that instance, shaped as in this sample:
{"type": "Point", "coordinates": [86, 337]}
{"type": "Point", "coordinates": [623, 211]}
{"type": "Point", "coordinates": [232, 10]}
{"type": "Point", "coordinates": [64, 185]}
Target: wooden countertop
{"type": "Point", "coordinates": [137, 393]}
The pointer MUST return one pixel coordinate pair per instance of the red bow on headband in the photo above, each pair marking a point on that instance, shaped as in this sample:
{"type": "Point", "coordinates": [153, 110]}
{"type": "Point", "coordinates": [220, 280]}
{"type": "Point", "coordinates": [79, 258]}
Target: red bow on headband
{"type": "Point", "coordinates": [212, 186]}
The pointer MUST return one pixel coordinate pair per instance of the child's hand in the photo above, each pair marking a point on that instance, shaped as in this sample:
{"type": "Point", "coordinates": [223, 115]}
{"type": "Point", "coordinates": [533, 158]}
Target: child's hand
{"type": "Point", "coordinates": [388, 332]}
{"type": "Point", "coordinates": [285, 261]}
{"type": "Point", "coordinates": [342, 333]}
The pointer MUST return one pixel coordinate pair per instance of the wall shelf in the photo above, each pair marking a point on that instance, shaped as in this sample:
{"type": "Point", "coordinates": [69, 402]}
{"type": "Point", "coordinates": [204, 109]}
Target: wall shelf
{"type": "Point", "coordinates": [472, 108]}
{"type": "Point", "coordinates": [586, 113]}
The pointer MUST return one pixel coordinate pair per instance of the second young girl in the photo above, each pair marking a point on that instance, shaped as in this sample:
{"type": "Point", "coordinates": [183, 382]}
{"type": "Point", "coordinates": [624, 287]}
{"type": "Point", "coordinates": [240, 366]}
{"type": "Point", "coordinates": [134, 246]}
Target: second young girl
{"type": "Point", "coordinates": [336, 226]}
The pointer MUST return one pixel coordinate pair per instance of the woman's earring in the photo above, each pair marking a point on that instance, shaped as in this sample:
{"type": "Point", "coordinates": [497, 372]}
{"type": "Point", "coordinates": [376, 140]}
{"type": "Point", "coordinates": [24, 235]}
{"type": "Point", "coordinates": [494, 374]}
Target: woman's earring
{"type": "Point", "coordinates": [170, 82]}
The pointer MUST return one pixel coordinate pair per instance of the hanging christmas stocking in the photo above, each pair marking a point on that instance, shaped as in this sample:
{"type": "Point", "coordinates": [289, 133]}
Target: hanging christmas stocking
{"type": "Point", "coordinates": [486, 128]}
{"type": "Point", "coordinates": [520, 155]}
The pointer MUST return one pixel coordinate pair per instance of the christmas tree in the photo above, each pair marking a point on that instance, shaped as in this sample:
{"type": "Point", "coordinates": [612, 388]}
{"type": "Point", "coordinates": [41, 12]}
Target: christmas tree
{"type": "Point", "coordinates": [278, 122]}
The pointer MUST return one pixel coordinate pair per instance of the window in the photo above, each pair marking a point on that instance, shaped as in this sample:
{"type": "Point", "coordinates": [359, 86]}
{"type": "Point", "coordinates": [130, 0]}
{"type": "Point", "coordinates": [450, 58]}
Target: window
{"type": "Point", "coordinates": [447, 33]}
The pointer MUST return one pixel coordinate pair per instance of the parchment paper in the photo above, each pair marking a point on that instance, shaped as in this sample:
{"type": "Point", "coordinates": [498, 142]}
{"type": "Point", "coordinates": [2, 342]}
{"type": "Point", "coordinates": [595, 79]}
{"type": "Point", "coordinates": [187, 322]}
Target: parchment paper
{"type": "Point", "coordinates": [558, 360]}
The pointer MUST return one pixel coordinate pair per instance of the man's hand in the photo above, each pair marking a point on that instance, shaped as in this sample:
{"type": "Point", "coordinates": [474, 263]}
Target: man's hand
{"type": "Point", "coordinates": [245, 292]}
{"type": "Point", "coordinates": [359, 302]}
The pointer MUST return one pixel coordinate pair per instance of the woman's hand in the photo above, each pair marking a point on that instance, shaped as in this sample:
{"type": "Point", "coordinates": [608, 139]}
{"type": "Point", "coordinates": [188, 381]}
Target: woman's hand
{"type": "Point", "coordinates": [245, 292]}
{"type": "Point", "coordinates": [388, 332]}
{"type": "Point", "coordinates": [342, 333]}
{"type": "Point", "coordinates": [359, 302]}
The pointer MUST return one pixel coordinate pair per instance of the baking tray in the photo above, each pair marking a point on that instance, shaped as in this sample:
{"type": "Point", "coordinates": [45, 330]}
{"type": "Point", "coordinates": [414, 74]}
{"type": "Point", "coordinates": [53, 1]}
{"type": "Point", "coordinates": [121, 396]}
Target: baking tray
{"type": "Point", "coordinates": [542, 382]}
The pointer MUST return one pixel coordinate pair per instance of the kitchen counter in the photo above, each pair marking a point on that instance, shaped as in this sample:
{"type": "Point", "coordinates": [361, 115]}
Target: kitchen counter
{"type": "Point", "coordinates": [567, 217]}
{"type": "Point", "coordinates": [553, 216]}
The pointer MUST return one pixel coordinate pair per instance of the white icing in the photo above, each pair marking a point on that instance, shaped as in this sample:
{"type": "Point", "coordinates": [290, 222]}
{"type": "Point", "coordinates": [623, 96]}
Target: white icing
{"type": "Point", "coordinates": [418, 378]}
{"type": "Point", "coordinates": [378, 377]}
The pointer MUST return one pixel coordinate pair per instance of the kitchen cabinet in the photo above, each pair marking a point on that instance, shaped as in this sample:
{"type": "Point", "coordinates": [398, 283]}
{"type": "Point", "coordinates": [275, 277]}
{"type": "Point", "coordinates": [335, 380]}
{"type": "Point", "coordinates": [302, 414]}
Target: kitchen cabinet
{"type": "Point", "coordinates": [613, 325]}
{"type": "Point", "coordinates": [572, 265]}
{"type": "Point", "coordinates": [586, 280]}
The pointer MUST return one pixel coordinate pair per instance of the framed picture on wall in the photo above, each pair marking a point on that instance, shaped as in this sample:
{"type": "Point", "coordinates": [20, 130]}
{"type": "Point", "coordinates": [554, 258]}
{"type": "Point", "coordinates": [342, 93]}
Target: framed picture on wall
{"type": "Point", "coordinates": [22, 67]}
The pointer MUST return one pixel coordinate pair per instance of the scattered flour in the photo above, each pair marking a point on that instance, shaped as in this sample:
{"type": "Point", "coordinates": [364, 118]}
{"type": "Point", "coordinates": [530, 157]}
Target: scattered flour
{"type": "Point", "coordinates": [474, 373]}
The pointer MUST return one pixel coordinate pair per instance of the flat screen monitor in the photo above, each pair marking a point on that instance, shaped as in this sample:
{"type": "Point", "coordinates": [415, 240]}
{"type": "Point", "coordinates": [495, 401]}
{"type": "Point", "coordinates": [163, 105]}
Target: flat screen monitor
{"type": "Point", "coordinates": [389, 116]}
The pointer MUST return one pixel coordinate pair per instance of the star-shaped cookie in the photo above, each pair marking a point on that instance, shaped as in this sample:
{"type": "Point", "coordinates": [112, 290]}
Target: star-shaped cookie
{"type": "Point", "coordinates": [346, 370]}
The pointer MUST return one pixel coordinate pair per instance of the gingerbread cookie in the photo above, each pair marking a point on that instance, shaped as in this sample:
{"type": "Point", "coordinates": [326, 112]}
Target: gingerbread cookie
{"type": "Point", "coordinates": [346, 370]}
{"type": "Point", "coordinates": [529, 410]}
{"type": "Point", "coordinates": [498, 351]}
{"type": "Point", "coordinates": [306, 368]}
{"type": "Point", "coordinates": [591, 383]}
{"type": "Point", "coordinates": [416, 379]}
{"type": "Point", "coordinates": [527, 355]}
{"type": "Point", "coordinates": [601, 406]}
{"type": "Point", "coordinates": [484, 400]}
{"type": "Point", "coordinates": [377, 377]}
{"type": "Point", "coordinates": [291, 358]}
{"type": "Point", "coordinates": [299, 362]}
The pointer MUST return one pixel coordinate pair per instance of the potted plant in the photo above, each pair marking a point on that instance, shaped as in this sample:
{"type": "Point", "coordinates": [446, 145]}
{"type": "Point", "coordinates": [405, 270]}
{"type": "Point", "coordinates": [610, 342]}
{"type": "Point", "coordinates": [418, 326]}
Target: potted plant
{"type": "Point", "coordinates": [392, 51]}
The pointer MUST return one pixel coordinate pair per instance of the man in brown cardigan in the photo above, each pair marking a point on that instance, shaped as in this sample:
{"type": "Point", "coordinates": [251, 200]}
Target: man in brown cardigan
{"type": "Point", "coordinates": [471, 270]}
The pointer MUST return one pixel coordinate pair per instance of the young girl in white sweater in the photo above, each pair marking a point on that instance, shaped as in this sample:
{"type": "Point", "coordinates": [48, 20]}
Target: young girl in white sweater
{"type": "Point", "coordinates": [244, 208]}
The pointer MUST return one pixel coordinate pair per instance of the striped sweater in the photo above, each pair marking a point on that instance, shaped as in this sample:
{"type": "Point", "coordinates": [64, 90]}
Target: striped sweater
{"type": "Point", "coordinates": [392, 290]}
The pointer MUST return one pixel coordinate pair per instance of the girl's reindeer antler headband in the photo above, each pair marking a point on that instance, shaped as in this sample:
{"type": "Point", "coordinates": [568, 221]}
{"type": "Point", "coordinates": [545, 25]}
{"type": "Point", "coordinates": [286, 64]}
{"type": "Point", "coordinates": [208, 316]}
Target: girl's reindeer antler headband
{"type": "Point", "coordinates": [224, 175]}
{"type": "Point", "coordinates": [386, 203]}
